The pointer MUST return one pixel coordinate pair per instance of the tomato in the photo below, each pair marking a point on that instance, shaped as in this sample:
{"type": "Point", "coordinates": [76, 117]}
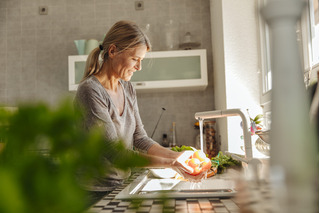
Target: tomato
{"type": "Point", "coordinates": [206, 164]}
{"type": "Point", "coordinates": [200, 155]}
{"type": "Point", "coordinates": [196, 171]}
{"type": "Point", "coordinates": [195, 164]}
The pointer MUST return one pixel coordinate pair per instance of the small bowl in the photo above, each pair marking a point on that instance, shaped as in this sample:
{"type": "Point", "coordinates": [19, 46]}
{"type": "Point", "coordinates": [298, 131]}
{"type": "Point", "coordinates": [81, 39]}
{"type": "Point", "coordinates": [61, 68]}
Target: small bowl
{"type": "Point", "coordinates": [262, 147]}
{"type": "Point", "coordinates": [264, 135]}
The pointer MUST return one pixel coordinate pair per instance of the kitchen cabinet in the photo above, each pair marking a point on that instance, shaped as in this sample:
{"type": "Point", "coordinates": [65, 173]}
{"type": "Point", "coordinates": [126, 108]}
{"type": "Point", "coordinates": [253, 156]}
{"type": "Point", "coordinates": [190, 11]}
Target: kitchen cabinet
{"type": "Point", "coordinates": [172, 70]}
{"type": "Point", "coordinates": [161, 71]}
{"type": "Point", "coordinates": [76, 66]}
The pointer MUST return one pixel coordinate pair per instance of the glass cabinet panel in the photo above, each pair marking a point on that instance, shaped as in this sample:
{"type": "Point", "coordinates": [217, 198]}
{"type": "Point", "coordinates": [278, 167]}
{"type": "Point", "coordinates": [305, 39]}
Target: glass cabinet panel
{"type": "Point", "coordinates": [79, 70]}
{"type": "Point", "coordinates": [177, 68]}
{"type": "Point", "coordinates": [163, 70]}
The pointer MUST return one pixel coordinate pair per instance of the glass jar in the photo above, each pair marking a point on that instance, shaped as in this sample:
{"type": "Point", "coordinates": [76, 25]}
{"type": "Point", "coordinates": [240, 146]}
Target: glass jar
{"type": "Point", "coordinates": [212, 146]}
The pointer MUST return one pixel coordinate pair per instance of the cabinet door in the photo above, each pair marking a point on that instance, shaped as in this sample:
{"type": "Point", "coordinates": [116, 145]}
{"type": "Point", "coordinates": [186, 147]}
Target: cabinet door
{"type": "Point", "coordinates": [166, 70]}
{"type": "Point", "coordinates": [169, 68]}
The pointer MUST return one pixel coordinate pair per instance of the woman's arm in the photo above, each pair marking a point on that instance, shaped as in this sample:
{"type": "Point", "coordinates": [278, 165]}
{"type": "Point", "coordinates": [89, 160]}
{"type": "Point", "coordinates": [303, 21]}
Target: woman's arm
{"type": "Point", "coordinates": [160, 157]}
{"type": "Point", "coordinates": [159, 162]}
{"type": "Point", "coordinates": [160, 151]}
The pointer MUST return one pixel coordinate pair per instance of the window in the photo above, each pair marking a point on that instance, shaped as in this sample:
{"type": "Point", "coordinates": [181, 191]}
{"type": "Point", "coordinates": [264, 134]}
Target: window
{"type": "Point", "coordinates": [308, 30]}
{"type": "Point", "coordinates": [266, 61]}
{"type": "Point", "coordinates": [314, 31]}
{"type": "Point", "coordinates": [308, 39]}
{"type": "Point", "coordinates": [265, 66]}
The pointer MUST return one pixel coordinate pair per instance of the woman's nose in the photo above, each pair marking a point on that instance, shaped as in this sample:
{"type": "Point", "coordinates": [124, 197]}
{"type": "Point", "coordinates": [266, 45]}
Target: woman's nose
{"type": "Point", "coordinates": [138, 66]}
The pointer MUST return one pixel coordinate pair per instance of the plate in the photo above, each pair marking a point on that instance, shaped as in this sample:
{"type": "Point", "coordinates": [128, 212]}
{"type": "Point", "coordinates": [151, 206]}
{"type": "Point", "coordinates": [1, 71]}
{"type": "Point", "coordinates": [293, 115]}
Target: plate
{"type": "Point", "coordinates": [160, 185]}
{"type": "Point", "coordinates": [163, 173]}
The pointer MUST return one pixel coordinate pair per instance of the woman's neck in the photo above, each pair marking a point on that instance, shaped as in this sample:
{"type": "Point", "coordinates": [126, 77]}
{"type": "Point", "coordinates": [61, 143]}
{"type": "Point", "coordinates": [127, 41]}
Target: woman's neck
{"type": "Point", "coordinates": [107, 80]}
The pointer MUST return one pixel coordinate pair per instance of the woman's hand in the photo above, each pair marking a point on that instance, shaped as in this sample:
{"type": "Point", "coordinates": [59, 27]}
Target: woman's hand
{"type": "Point", "coordinates": [180, 166]}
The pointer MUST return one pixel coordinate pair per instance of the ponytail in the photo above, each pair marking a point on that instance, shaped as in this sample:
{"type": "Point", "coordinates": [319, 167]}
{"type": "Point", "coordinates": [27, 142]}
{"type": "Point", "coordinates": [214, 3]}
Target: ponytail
{"type": "Point", "coordinates": [92, 63]}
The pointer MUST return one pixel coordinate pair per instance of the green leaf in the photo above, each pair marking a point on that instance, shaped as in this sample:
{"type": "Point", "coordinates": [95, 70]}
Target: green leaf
{"type": "Point", "coordinates": [182, 148]}
{"type": "Point", "coordinates": [223, 162]}
{"type": "Point", "coordinates": [46, 154]}
{"type": "Point", "coordinates": [12, 199]}
{"type": "Point", "coordinates": [258, 117]}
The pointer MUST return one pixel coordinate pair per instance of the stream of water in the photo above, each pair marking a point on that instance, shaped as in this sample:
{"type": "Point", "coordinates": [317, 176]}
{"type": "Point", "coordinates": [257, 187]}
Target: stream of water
{"type": "Point", "coordinates": [201, 133]}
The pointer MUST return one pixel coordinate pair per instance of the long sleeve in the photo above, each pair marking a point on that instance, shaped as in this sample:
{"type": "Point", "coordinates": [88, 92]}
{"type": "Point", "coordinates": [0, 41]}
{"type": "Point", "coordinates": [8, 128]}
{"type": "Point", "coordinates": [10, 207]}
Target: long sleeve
{"type": "Point", "coordinates": [99, 110]}
{"type": "Point", "coordinates": [96, 111]}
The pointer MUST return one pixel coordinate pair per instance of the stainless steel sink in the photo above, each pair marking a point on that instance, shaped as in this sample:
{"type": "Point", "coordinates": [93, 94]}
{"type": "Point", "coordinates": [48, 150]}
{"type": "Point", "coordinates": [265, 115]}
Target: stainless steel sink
{"type": "Point", "coordinates": [148, 187]}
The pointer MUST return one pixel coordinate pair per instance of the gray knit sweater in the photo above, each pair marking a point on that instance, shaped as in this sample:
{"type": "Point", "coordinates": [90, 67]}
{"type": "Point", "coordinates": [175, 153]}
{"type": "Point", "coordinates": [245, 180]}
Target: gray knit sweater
{"type": "Point", "coordinates": [128, 127]}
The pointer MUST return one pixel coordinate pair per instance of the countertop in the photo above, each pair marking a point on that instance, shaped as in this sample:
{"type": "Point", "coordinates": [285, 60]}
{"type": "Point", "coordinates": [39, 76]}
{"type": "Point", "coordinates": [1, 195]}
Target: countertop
{"type": "Point", "coordinates": [109, 204]}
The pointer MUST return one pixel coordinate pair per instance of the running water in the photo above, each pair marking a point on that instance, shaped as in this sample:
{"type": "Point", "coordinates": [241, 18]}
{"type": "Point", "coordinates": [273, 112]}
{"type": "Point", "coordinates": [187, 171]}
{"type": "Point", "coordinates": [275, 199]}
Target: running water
{"type": "Point", "coordinates": [197, 185]}
{"type": "Point", "coordinates": [201, 133]}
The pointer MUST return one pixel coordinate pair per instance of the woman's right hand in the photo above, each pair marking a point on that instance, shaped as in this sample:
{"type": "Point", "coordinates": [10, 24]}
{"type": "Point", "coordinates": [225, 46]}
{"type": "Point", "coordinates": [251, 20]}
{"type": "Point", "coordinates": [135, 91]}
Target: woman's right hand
{"type": "Point", "coordinates": [180, 166]}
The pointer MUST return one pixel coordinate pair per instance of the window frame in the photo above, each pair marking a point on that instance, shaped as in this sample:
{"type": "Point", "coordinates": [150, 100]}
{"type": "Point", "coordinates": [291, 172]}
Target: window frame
{"type": "Point", "coordinates": [265, 63]}
{"type": "Point", "coordinates": [310, 67]}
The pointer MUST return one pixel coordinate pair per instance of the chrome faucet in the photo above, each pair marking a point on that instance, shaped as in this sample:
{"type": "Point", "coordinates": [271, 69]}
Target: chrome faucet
{"type": "Point", "coordinates": [246, 132]}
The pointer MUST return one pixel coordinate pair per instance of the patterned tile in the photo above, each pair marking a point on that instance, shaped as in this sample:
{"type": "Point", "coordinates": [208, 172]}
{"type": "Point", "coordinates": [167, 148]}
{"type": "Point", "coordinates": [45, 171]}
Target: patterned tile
{"type": "Point", "coordinates": [189, 205]}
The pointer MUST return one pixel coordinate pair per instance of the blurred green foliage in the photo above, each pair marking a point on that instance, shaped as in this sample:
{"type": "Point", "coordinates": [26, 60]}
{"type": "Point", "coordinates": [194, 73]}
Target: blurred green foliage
{"type": "Point", "coordinates": [45, 150]}
{"type": "Point", "coordinates": [222, 162]}
{"type": "Point", "coordinates": [181, 149]}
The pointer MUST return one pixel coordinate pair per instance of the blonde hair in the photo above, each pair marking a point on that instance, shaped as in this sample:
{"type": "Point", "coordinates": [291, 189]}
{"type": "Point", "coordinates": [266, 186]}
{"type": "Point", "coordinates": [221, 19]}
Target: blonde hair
{"type": "Point", "coordinates": [124, 35]}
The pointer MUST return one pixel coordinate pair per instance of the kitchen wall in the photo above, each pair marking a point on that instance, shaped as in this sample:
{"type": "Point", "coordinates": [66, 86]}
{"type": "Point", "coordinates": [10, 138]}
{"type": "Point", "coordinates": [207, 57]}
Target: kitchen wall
{"type": "Point", "coordinates": [236, 49]}
{"type": "Point", "coordinates": [34, 52]}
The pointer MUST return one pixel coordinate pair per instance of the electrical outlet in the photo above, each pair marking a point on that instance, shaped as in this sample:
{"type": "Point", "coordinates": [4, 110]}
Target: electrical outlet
{"type": "Point", "coordinates": [43, 10]}
{"type": "Point", "coordinates": [139, 5]}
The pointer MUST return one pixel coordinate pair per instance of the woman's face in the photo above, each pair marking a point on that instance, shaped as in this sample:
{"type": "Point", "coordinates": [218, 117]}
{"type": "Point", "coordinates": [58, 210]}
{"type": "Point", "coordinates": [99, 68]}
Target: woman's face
{"type": "Point", "coordinates": [125, 63]}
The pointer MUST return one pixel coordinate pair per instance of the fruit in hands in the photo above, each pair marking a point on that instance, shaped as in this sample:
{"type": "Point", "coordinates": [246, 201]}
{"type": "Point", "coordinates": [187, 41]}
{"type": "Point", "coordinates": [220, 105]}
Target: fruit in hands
{"type": "Point", "coordinates": [199, 155]}
{"type": "Point", "coordinates": [195, 164]}
{"type": "Point", "coordinates": [206, 164]}
{"type": "Point", "coordinates": [199, 162]}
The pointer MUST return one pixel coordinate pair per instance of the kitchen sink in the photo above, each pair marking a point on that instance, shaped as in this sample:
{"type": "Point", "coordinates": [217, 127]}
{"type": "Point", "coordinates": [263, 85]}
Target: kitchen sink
{"type": "Point", "coordinates": [147, 186]}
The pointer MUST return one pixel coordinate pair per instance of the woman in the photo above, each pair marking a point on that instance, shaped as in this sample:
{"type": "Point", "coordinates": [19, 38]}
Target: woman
{"type": "Point", "coordinates": [110, 100]}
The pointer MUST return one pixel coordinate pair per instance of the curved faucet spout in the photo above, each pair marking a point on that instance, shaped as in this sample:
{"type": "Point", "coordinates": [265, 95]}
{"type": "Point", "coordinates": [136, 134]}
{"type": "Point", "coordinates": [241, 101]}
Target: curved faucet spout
{"type": "Point", "coordinates": [229, 113]}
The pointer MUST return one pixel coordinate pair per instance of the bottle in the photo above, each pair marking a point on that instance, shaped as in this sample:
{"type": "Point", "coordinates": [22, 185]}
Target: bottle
{"type": "Point", "coordinates": [174, 139]}
{"type": "Point", "coordinates": [171, 36]}
{"type": "Point", "coordinates": [165, 141]}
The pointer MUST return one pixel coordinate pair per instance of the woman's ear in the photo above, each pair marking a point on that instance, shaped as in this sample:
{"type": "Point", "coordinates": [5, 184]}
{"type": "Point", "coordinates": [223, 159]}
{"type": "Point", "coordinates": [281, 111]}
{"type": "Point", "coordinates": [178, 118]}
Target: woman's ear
{"type": "Point", "coordinates": [112, 50]}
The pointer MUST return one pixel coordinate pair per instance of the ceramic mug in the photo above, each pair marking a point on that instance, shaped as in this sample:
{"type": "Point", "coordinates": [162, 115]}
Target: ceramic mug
{"type": "Point", "coordinates": [80, 44]}
{"type": "Point", "coordinates": [90, 45]}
